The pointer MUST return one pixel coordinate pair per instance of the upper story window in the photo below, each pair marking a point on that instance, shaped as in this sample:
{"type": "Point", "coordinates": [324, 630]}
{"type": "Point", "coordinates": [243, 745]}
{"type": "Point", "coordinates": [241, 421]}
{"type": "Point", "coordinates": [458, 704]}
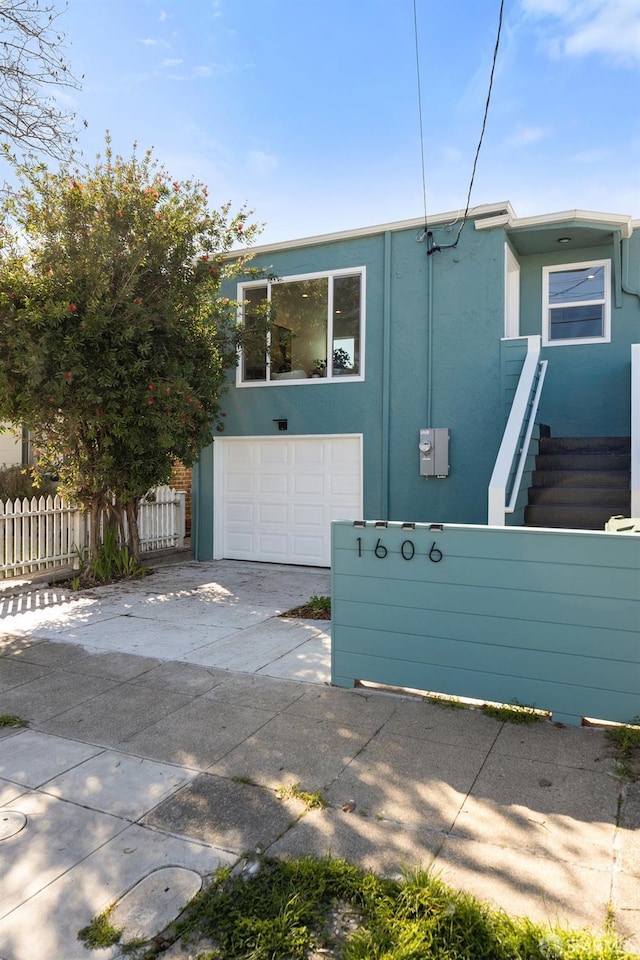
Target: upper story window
{"type": "Point", "coordinates": [316, 329]}
{"type": "Point", "coordinates": [576, 302]}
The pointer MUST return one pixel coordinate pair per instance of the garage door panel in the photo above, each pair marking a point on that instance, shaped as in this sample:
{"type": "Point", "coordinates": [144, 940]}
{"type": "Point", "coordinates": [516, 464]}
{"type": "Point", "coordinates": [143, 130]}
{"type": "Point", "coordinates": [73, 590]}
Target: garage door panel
{"type": "Point", "coordinates": [240, 512]}
{"type": "Point", "coordinates": [273, 544]}
{"type": "Point", "coordinates": [273, 513]}
{"type": "Point", "coordinates": [341, 486]}
{"type": "Point", "coordinates": [238, 482]}
{"type": "Point", "coordinates": [280, 495]}
{"type": "Point", "coordinates": [343, 454]}
{"type": "Point", "coordinates": [309, 514]}
{"type": "Point", "coordinates": [310, 453]}
{"type": "Point", "coordinates": [242, 454]}
{"type": "Point", "coordinates": [272, 483]}
{"type": "Point", "coordinates": [241, 542]}
{"type": "Point", "coordinates": [305, 483]}
{"type": "Point", "coordinates": [274, 454]}
{"type": "Point", "coordinates": [345, 473]}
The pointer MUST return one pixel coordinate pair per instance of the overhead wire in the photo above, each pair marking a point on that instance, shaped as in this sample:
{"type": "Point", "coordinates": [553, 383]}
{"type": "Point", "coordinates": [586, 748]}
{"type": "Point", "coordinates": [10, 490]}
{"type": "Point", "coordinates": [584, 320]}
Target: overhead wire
{"type": "Point", "coordinates": [484, 119]}
{"type": "Point", "coordinates": [433, 247]}
{"type": "Point", "coordinates": [424, 177]}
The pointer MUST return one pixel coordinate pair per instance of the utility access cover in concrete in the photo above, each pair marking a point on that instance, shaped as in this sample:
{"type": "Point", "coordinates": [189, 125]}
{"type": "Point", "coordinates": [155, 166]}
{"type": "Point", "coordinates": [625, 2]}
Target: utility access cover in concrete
{"type": "Point", "coordinates": [11, 822]}
{"type": "Point", "coordinates": [155, 902]}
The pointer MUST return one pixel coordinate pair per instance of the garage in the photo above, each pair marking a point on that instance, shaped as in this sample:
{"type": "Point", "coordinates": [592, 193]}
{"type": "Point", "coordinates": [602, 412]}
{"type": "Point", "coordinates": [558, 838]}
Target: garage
{"type": "Point", "coordinates": [275, 497]}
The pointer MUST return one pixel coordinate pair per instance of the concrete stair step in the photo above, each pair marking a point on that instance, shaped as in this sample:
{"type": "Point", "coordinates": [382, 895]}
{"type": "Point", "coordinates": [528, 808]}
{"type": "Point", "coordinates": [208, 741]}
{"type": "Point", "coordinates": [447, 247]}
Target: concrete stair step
{"type": "Point", "coordinates": [570, 516]}
{"type": "Point", "coordinates": [579, 482]}
{"type": "Point", "coordinates": [581, 495]}
{"type": "Point", "coordinates": [581, 478]}
{"type": "Point", "coordinates": [585, 445]}
{"type": "Point", "coordinates": [583, 461]}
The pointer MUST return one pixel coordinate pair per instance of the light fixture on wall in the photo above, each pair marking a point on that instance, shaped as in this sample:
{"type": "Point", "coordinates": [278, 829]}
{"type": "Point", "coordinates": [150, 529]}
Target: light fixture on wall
{"type": "Point", "coordinates": [564, 239]}
{"type": "Point", "coordinates": [282, 424]}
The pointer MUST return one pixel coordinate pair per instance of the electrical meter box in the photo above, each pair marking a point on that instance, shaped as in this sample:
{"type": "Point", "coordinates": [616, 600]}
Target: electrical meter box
{"type": "Point", "coordinates": [434, 452]}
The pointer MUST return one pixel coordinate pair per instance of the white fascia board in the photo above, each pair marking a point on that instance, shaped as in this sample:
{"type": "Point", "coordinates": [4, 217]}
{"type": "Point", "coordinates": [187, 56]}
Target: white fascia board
{"type": "Point", "coordinates": [489, 223]}
{"type": "Point", "coordinates": [588, 217]}
{"type": "Point", "coordinates": [433, 220]}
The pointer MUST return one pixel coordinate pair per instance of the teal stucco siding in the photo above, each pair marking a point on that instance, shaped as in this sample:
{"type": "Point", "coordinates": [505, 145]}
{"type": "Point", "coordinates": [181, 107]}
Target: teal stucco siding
{"type": "Point", "coordinates": [432, 347]}
{"type": "Point", "coordinates": [435, 356]}
{"type": "Point", "coordinates": [587, 390]}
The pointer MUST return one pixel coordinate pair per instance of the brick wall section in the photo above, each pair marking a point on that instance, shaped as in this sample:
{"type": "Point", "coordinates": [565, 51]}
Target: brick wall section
{"type": "Point", "coordinates": [181, 480]}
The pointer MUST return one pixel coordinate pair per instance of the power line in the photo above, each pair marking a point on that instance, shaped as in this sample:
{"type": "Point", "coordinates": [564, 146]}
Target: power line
{"type": "Point", "coordinates": [484, 119]}
{"type": "Point", "coordinates": [431, 246]}
{"type": "Point", "coordinates": [424, 178]}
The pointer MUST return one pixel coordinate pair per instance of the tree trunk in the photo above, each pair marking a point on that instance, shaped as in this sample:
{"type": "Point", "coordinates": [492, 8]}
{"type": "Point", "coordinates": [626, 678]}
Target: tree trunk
{"type": "Point", "coordinates": [95, 510]}
{"type": "Point", "coordinates": [116, 516]}
{"type": "Point", "coordinates": [131, 507]}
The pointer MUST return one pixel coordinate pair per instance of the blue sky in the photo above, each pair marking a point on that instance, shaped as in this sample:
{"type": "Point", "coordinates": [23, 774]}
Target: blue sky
{"type": "Point", "coordinates": [308, 111]}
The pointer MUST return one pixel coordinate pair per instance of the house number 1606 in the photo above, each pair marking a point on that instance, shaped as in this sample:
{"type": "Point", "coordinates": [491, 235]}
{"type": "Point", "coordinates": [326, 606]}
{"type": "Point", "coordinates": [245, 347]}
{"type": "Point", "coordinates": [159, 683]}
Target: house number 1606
{"type": "Point", "coordinates": [407, 550]}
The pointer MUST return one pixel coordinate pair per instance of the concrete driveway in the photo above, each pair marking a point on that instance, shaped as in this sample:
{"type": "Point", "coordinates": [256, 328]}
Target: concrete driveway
{"type": "Point", "coordinates": [224, 615]}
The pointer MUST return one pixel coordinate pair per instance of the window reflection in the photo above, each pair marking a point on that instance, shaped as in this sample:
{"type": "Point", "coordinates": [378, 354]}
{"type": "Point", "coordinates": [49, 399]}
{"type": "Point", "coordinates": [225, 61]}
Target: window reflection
{"type": "Point", "coordinates": [315, 328]}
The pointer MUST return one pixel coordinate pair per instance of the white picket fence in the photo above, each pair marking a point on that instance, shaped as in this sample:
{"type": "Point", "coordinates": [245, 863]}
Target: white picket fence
{"type": "Point", "coordinates": [47, 532]}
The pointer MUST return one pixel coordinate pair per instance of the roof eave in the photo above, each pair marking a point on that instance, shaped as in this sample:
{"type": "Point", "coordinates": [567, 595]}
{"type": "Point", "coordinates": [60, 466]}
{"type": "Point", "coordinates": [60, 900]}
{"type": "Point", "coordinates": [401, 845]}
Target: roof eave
{"type": "Point", "coordinates": [492, 210]}
{"type": "Point", "coordinates": [584, 217]}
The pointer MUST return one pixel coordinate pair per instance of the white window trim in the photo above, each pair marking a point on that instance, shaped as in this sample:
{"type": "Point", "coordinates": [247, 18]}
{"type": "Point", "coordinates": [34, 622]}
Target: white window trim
{"type": "Point", "coordinates": [606, 319]}
{"type": "Point", "coordinates": [329, 274]}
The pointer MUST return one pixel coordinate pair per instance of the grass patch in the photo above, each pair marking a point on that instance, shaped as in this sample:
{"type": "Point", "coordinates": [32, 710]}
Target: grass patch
{"type": "Point", "coordinates": [316, 608]}
{"type": "Point", "coordinates": [100, 933]}
{"type": "Point", "coordinates": [444, 700]}
{"type": "Point", "coordinates": [10, 720]}
{"type": "Point", "coordinates": [626, 741]}
{"type": "Point", "coordinates": [312, 800]}
{"type": "Point", "coordinates": [291, 909]}
{"type": "Point", "coordinates": [512, 713]}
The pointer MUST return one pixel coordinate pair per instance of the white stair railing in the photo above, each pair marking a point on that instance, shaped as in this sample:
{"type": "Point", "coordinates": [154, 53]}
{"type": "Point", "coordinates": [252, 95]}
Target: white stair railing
{"type": "Point", "coordinates": [512, 455]}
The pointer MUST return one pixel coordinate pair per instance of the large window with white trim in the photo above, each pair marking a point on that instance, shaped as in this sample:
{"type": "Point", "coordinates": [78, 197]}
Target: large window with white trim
{"type": "Point", "coordinates": [314, 330]}
{"type": "Point", "coordinates": [576, 303]}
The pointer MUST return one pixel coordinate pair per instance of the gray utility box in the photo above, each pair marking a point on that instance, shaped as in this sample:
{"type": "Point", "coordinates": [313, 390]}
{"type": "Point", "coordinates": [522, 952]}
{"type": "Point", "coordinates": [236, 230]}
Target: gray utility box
{"type": "Point", "coordinates": [434, 452]}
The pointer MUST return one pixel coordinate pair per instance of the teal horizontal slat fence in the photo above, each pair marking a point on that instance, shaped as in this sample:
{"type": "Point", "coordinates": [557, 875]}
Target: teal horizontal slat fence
{"type": "Point", "coordinates": [548, 618]}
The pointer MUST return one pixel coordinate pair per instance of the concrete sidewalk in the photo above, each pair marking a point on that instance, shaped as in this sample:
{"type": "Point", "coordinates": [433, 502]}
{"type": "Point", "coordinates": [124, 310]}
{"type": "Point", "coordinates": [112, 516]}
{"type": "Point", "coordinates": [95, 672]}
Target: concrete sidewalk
{"type": "Point", "coordinates": [164, 714]}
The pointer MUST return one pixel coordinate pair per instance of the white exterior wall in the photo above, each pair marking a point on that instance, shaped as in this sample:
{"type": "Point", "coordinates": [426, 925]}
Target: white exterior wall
{"type": "Point", "coordinates": [10, 447]}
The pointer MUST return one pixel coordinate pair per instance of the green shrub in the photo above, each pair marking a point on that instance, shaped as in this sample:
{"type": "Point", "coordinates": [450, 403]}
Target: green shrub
{"type": "Point", "coordinates": [112, 562]}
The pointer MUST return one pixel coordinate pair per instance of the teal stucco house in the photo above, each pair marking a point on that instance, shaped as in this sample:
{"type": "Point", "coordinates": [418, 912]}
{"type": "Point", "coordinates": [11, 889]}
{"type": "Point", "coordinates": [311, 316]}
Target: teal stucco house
{"type": "Point", "coordinates": [478, 372]}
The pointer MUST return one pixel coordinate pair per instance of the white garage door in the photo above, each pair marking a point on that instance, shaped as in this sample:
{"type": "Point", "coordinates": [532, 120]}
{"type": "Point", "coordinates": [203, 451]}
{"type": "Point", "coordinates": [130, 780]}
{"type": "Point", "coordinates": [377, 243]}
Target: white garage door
{"type": "Point", "coordinates": [276, 497]}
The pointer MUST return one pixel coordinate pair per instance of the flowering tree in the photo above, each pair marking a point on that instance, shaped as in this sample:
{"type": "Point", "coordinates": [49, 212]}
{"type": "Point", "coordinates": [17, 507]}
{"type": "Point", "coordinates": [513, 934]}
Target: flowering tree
{"type": "Point", "coordinates": [113, 337]}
